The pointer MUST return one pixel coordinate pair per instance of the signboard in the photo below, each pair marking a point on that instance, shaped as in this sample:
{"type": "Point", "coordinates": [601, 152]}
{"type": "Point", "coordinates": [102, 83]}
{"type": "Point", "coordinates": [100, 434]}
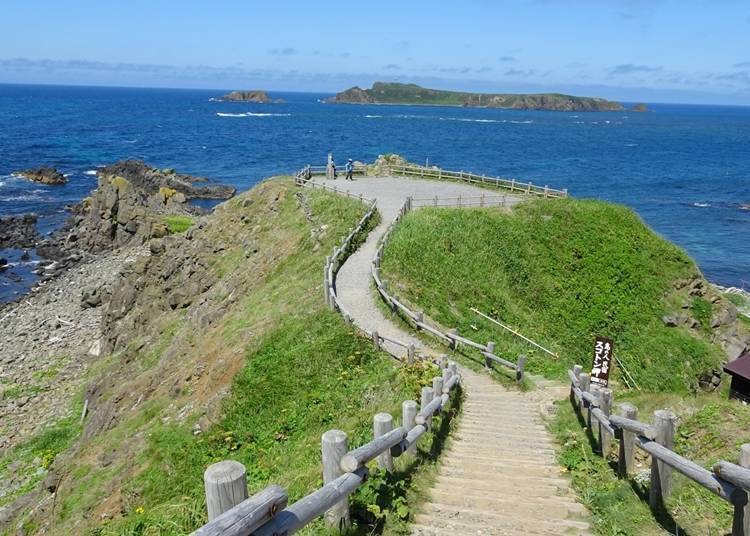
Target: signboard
{"type": "Point", "coordinates": [602, 359]}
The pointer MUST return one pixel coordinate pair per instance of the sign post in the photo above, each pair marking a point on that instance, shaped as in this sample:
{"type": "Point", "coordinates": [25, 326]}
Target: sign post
{"type": "Point", "coordinates": [602, 360]}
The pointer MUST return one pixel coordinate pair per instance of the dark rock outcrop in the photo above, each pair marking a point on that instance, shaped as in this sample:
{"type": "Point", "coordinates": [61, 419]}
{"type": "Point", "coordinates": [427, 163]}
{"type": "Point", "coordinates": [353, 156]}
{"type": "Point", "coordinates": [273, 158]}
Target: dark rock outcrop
{"type": "Point", "coordinates": [18, 231]}
{"type": "Point", "coordinates": [43, 175]}
{"type": "Point", "coordinates": [640, 108]}
{"type": "Point", "coordinates": [256, 96]}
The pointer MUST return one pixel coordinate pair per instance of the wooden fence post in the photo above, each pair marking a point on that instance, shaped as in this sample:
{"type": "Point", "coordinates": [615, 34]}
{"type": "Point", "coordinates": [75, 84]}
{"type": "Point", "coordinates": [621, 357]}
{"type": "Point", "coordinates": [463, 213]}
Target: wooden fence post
{"type": "Point", "coordinates": [661, 473]}
{"type": "Point", "coordinates": [437, 385]}
{"type": "Point", "coordinates": [419, 319]}
{"type": "Point", "coordinates": [443, 362]}
{"type": "Point", "coordinates": [382, 424]}
{"type": "Point", "coordinates": [376, 340]}
{"type": "Point", "coordinates": [411, 352]}
{"type": "Point", "coordinates": [427, 396]}
{"type": "Point", "coordinates": [585, 381]}
{"type": "Point", "coordinates": [745, 462]}
{"type": "Point", "coordinates": [408, 414]}
{"type": "Point", "coordinates": [626, 458]}
{"type": "Point", "coordinates": [576, 373]}
{"type": "Point", "coordinates": [226, 486]}
{"type": "Point", "coordinates": [490, 350]}
{"type": "Point", "coordinates": [605, 404]}
{"type": "Point", "coordinates": [454, 343]}
{"type": "Point", "coordinates": [520, 365]}
{"type": "Point", "coordinates": [334, 446]}
{"type": "Point", "coordinates": [594, 390]}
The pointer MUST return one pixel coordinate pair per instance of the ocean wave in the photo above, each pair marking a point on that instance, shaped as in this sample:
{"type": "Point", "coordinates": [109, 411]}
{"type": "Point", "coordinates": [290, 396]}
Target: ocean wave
{"type": "Point", "coordinates": [526, 122]}
{"type": "Point", "coordinates": [631, 145]}
{"type": "Point", "coordinates": [701, 205]}
{"type": "Point", "coordinates": [468, 120]}
{"type": "Point", "coordinates": [250, 114]}
{"type": "Point", "coordinates": [373, 116]}
{"type": "Point", "coordinates": [91, 172]}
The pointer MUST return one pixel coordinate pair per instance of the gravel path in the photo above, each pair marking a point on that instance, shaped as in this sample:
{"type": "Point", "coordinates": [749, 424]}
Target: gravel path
{"type": "Point", "coordinates": [500, 445]}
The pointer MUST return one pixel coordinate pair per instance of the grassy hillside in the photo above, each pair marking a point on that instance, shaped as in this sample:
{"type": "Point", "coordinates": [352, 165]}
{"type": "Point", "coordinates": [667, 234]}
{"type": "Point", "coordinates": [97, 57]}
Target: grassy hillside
{"type": "Point", "coordinates": [397, 93]}
{"type": "Point", "coordinates": [562, 272]}
{"type": "Point", "coordinates": [252, 368]}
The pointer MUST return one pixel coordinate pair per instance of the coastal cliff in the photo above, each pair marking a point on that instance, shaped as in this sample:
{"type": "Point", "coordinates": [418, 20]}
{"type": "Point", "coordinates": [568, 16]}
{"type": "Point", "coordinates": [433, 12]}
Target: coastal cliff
{"type": "Point", "coordinates": [396, 93]}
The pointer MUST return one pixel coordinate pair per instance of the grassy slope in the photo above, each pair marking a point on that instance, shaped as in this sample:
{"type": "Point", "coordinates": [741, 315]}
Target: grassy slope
{"type": "Point", "coordinates": [301, 371]}
{"type": "Point", "coordinates": [563, 272]}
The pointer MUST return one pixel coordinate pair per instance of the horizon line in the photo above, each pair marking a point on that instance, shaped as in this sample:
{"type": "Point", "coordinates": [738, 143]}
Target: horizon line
{"type": "Point", "coordinates": [176, 88]}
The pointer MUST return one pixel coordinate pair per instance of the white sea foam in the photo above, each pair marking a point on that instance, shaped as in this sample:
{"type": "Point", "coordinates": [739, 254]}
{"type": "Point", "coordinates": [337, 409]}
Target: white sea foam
{"type": "Point", "coordinates": [527, 122]}
{"type": "Point", "coordinates": [90, 172]}
{"type": "Point", "coordinates": [250, 114]}
{"type": "Point", "coordinates": [702, 205]}
{"type": "Point", "coordinates": [373, 116]}
{"type": "Point", "coordinates": [468, 120]}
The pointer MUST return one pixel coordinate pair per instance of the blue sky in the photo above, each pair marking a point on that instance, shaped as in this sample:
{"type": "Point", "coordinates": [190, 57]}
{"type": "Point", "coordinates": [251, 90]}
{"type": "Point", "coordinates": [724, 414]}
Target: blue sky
{"type": "Point", "coordinates": [650, 50]}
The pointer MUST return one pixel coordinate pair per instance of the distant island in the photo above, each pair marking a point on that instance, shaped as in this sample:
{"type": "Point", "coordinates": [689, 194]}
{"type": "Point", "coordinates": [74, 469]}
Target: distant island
{"type": "Point", "coordinates": [256, 96]}
{"type": "Point", "coordinates": [640, 107]}
{"type": "Point", "coordinates": [397, 93]}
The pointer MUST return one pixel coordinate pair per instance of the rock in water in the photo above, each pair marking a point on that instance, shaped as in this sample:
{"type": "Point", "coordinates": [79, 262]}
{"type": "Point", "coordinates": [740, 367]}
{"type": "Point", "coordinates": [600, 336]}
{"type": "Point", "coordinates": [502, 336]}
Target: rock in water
{"type": "Point", "coordinates": [257, 96]}
{"type": "Point", "coordinates": [18, 231]}
{"type": "Point", "coordinates": [44, 175]}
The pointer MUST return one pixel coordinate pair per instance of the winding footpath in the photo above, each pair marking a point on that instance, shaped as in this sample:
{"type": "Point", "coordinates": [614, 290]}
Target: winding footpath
{"type": "Point", "coordinates": [498, 474]}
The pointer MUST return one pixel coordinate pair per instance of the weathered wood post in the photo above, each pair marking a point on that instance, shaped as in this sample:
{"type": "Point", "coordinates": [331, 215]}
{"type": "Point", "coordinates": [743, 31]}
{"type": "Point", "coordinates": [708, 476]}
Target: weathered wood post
{"type": "Point", "coordinates": [594, 390]}
{"type": "Point", "coordinates": [520, 365]}
{"type": "Point", "coordinates": [437, 385]}
{"type": "Point", "coordinates": [490, 350]}
{"type": "Point", "coordinates": [626, 458]}
{"type": "Point", "coordinates": [443, 361]}
{"type": "Point", "coordinates": [334, 446]}
{"type": "Point", "coordinates": [446, 375]}
{"type": "Point", "coordinates": [427, 396]}
{"type": "Point", "coordinates": [326, 295]}
{"type": "Point", "coordinates": [605, 404]}
{"type": "Point", "coordinates": [577, 369]}
{"type": "Point", "coordinates": [329, 167]}
{"type": "Point", "coordinates": [661, 473]}
{"type": "Point", "coordinates": [745, 462]}
{"type": "Point", "coordinates": [419, 320]}
{"type": "Point", "coordinates": [376, 340]}
{"type": "Point", "coordinates": [411, 352]}
{"type": "Point", "coordinates": [382, 424]}
{"type": "Point", "coordinates": [451, 335]}
{"type": "Point", "coordinates": [408, 414]}
{"type": "Point", "coordinates": [453, 368]}
{"type": "Point", "coordinates": [585, 381]}
{"type": "Point", "coordinates": [226, 486]}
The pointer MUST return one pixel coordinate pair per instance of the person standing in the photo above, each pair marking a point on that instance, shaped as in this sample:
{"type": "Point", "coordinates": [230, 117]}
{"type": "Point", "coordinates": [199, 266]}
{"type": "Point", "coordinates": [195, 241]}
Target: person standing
{"type": "Point", "coordinates": [349, 170]}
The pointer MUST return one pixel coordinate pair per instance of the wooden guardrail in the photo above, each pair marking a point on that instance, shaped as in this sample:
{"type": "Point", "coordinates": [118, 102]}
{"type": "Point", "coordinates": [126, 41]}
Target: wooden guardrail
{"type": "Point", "coordinates": [232, 513]}
{"type": "Point", "coordinates": [512, 185]}
{"type": "Point", "coordinates": [304, 177]}
{"type": "Point", "coordinates": [729, 481]}
{"type": "Point", "coordinates": [417, 318]}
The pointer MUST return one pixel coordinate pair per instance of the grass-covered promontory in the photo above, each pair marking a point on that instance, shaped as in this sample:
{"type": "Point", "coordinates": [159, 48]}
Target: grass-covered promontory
{"type": "Point", "coordinates": [561, 272]}
{"type": "Point", "coordinates": [221, 348]}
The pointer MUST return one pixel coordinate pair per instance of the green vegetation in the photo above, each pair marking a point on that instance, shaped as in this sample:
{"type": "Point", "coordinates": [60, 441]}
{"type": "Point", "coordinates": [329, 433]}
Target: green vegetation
{"type": "Point", "coordinates": [178, 224]}
{"type": "Point", "coordinates": [396, 93]}
{"type": "Point", "coordinates": [560, 272]}
{"type": "Point", "coordinates": [711, 428]}
{"type": "Point", "coordinates": [293, 370]}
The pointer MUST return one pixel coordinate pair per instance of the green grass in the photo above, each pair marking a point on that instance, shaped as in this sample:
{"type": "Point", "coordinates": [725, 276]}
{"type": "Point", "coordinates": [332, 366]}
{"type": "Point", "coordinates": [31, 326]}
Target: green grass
{"type": "Point", "coordinates": [178, 224]}
{"type": "Point", "coordinates": [560, 272]}
{"type": "Point", "coordinates": [303, 371]}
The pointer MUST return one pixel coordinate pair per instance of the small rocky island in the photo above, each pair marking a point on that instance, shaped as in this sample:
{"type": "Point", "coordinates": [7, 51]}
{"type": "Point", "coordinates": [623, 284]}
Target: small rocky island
{"type": "Point", "coordinates": [256, 96]}
{"type": "Point", "coordinates": [397, 93]}
{"type": "Point", "coordinates": [640, 108]}
{"type": "Point", "coordinates": [43, 175]}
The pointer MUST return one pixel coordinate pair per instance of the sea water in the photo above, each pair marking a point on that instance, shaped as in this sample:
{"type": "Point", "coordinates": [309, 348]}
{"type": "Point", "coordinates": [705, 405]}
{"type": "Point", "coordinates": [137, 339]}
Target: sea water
{"type": "Point", "coordinates": [684, 169]}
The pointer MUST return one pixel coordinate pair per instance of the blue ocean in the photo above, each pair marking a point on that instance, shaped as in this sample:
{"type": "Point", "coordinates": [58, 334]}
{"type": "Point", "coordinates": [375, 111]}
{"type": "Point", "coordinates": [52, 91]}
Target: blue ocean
{"type": "Point", "coordinates": [684, 169]}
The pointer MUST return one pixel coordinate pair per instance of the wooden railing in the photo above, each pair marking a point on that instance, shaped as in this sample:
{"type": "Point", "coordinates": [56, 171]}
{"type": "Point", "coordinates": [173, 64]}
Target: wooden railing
{"type": "Point", "coordinates": [417, 318]}
{"type": "Point", "coordinates": [462, 201]}
{"type": "Point", "coordinates": [511, 185]}
{"type": "Point", "coordinates": [729, 481]}
{"type": "Point", "coordinates": [232, 513]}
